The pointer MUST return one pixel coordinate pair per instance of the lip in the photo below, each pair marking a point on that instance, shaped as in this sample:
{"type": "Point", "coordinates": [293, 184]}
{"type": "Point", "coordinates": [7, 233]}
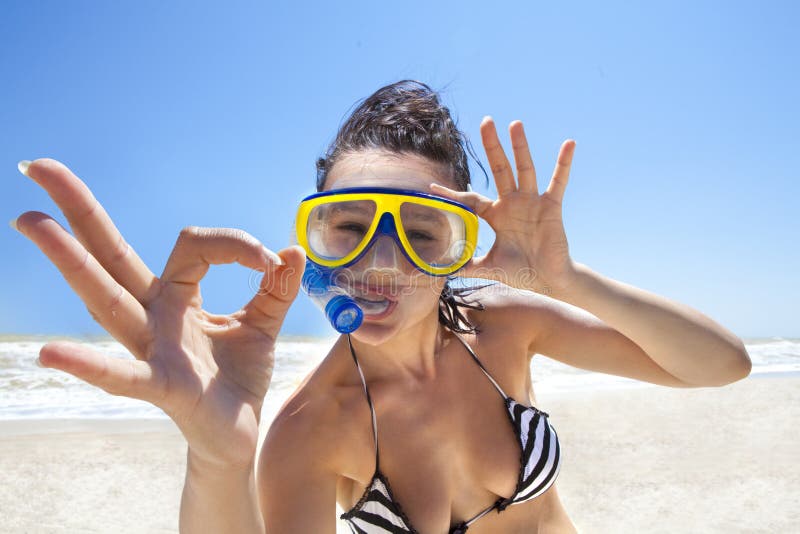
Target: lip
{"type": "Point", "coordinates": [383, 314]}
{"type": "Point", "coordinates": [390, 293]}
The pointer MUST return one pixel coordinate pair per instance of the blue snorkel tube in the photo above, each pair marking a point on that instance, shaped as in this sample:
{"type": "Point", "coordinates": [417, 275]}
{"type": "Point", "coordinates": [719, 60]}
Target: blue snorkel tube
{"type": "Point", "coordinates": [341, 310]}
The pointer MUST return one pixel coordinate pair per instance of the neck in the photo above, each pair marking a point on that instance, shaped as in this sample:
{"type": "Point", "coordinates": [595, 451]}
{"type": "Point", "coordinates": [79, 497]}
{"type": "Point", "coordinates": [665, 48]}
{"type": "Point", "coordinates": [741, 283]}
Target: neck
{"type": "Point", "coordinates": [410, 354]}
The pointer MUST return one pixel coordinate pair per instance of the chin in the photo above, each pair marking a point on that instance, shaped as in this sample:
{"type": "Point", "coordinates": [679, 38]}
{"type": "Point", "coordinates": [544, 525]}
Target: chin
{"type": "Point", "coordinates": [407, 315]}
{"type": "Point", "coordinates": [375, 333]}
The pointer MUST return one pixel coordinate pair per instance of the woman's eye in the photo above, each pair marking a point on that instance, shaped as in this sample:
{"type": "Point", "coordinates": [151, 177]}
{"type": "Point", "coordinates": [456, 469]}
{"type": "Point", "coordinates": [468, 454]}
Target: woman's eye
{"type": "Point", "coordinates": [420, 236]}
{"type": "Point", "coordinates": [352, 227]}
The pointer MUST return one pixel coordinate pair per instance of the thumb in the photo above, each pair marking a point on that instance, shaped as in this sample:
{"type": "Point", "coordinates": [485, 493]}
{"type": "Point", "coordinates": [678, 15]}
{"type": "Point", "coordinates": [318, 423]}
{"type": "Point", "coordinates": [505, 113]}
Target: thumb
{"type": "Point", "coordinates": [295, 259]}
{"type": "Point", "coordinates": [476, 202]}
{"type": "Point", "coordinates": [276, 292]}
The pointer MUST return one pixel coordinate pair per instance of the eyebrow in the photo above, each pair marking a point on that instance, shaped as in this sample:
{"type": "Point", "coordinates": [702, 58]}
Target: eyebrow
{"type": "Point", "coordinates": [351, 208]}
{"type": "Point", "coordinates": [423, 216]}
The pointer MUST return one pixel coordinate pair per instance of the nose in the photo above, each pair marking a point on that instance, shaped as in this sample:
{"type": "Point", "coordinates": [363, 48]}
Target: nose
{"type": "Point", "coordinates": [383, 254]}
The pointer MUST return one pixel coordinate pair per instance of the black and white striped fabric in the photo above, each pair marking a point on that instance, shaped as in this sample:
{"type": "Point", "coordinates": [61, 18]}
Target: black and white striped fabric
{"type": "Point", "coordinates": [377, 512]}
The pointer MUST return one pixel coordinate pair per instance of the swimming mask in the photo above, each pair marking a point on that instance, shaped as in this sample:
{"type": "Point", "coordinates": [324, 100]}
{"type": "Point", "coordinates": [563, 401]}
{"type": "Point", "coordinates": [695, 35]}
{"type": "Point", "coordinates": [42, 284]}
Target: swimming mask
{"type": "Point", "coordinates": [337, 228]}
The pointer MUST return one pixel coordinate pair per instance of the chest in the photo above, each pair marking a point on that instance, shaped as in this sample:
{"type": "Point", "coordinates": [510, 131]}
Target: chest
{"type": "Point", "coordinates": [448, 448]}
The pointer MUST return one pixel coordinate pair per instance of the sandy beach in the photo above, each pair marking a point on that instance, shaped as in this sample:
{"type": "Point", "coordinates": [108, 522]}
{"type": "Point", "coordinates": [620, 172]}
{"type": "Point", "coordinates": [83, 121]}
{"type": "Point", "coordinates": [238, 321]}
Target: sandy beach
{"type": "Point", "coordinates": [635, 460]}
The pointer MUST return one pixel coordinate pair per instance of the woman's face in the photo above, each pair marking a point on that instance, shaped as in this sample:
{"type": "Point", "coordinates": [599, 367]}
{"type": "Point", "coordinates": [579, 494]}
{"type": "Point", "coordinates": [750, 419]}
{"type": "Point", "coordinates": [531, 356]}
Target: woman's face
{"type": "Point", "coordinates": [384, 272]}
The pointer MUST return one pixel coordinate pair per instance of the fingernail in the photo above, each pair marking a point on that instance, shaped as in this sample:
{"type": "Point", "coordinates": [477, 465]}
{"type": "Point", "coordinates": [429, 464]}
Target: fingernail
{"type": "Point", "coordinates": [23, 167]}
{"type": "Point", "coordinates": [273, 258]}
{"type": "Point", "coordinates": [13, 224]}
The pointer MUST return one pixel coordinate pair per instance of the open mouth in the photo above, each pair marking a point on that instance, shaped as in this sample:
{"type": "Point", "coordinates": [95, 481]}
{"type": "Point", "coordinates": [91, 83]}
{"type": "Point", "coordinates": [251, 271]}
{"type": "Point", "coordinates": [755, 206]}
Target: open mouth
{"type": "Point", "coordinates": [374, 301]}
{"type": "Point", "coordinates": [374, 308]}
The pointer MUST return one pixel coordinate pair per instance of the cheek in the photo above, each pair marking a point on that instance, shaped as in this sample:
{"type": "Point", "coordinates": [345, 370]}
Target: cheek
{"type": "Point", "coordinates": [424, 296]}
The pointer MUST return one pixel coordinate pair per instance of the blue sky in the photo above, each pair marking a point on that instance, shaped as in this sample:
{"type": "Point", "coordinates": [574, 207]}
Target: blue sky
{"type": "Point", "coordinates": [686, 118]}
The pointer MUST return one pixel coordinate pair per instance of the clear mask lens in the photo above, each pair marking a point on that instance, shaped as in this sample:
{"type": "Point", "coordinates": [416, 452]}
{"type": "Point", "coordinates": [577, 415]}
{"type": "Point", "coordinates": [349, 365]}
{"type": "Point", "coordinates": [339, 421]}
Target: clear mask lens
{"type": "Point", "coordinates": [432, 233]}
{"type": "Point", "coordinates": [336, 229]}
{"type": "Point", "coordinates": [435, 237]}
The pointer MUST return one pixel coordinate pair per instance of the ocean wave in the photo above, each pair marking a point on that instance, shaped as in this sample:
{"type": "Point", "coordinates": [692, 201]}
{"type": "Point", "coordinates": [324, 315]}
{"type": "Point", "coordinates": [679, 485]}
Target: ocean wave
{"type": "Point", "coordinates": [30, 392]}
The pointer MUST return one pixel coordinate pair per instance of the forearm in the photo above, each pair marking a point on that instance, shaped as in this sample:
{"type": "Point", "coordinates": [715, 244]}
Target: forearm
{"type": "Point", "coordinates": [219, 500]}
{"type": "Point", "coordinates": [683, 341]}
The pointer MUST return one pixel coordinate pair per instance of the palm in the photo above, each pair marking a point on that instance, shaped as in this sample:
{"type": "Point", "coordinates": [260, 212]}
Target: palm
{"type": "Point", "coordinates": [530, 239]}
{"type": "Point", "coordinates": [530, 248]}
{"type": "Point", "coordinates": [208, 372]}
{"type": "Point", "coordinates": [218, 371]}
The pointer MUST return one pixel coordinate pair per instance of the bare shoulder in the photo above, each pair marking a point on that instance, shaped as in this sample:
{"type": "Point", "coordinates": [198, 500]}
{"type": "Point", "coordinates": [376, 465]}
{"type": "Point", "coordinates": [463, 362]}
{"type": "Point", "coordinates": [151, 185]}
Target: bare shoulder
{"type": "Point", "coordinates": [566, 333]}
{"type": "Point", "coordinates": [500, 296]}
{"type": "Point", "coordinates": [306, 428]}
{"type": "Point", "coordinates": [300, 460]}
{"type": "Point", "coordinates": [516, 315]}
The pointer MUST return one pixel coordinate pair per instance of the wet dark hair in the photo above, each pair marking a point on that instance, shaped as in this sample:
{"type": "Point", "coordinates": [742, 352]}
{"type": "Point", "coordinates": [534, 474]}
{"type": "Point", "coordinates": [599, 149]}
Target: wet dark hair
{"type": "Point", "coordinates": [408, 117]}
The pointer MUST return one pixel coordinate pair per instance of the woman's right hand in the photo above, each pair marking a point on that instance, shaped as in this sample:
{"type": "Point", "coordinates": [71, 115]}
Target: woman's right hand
{"type": "Point", "coordinates": [208, 372]}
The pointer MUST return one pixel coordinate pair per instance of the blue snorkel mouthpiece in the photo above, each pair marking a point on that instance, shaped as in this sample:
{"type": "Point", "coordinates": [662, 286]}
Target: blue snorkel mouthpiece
{"type": "Point", "coordinates": [341, 310]}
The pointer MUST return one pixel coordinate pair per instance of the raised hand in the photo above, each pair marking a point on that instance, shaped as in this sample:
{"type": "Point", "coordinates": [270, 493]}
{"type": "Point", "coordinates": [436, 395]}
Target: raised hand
{"type": "Point", "coordinates": [208, 372]}
{"type": "Point", "coordinates": [530, 249]}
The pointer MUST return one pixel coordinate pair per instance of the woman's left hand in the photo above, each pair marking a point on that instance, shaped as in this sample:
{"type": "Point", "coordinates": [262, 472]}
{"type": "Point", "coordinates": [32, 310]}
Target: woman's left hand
{"type": "Point", "coordinates": [530, 249]}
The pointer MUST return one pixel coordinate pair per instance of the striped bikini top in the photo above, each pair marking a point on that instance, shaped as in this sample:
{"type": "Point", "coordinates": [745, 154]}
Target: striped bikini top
{"type": "Point", "coordinates": [378, 512]}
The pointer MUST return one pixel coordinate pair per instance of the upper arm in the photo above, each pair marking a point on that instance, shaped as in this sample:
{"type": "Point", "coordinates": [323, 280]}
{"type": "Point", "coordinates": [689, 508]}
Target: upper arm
{"type": "Point", "coordinates": [296, 481]}
{"type": "Point", "coordinates": [575, 337]}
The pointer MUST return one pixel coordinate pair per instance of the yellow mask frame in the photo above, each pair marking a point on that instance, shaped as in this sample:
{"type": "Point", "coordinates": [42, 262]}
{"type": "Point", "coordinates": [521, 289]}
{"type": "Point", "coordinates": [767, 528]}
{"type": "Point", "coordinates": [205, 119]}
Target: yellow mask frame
{"type": "Point", "coordinates": [388, 201]}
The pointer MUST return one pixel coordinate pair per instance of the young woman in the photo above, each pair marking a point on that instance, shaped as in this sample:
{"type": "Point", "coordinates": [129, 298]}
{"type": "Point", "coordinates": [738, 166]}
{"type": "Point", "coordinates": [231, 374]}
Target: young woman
{"type": "Point", "coordinates": [423, 419]}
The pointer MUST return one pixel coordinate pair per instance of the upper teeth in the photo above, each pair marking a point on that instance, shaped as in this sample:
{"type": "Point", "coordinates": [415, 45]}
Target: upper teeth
{"type": "Point", "coordinates": [367, 295]}
{"type": "Point", "coordinates": [376, 298]}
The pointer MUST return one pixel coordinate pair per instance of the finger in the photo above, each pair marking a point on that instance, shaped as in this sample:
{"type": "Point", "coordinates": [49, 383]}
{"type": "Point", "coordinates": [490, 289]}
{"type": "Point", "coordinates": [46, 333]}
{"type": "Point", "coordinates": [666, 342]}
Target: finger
{"type": "Point", "coordinates": [277, 290]}
{"type": "Point", "coordinates": [198, 248]}
{"type": "Point", "coordinates": [93, 227]}
{"type": "Point", "coordinates": [501, 168]}
{"type": "Point", "coordinates": [526, 172]}
{"type": "Point", "coordinates": [126, 377]}
{"type": "Point", "coordinates": [561, 173]}
{"type": "Point", "coordinates": [107, 301]}
{"type": "Point", "coordinates": [475, 201]}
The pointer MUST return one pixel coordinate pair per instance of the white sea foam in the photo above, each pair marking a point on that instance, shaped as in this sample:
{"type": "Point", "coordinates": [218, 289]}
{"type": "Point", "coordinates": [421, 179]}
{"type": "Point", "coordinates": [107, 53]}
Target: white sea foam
{"type": "Point", "coordinates": [30, 392]}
